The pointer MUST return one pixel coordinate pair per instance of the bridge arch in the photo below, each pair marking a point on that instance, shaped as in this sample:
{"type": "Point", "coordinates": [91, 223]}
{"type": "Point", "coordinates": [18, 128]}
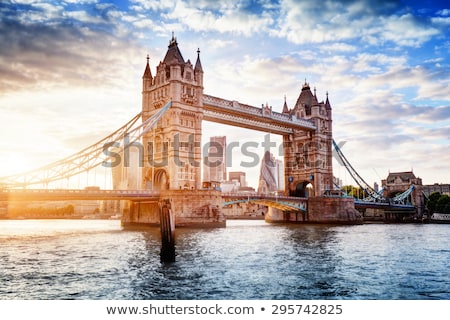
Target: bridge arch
{"type": "Point", "coordinates": [157, 180]}
{"type": "Point", "coordinates": [303, 189]}
{"type": "Point", "coordinates": [393, 193]}
{"type": "Point", "coordinates": [161, 179]}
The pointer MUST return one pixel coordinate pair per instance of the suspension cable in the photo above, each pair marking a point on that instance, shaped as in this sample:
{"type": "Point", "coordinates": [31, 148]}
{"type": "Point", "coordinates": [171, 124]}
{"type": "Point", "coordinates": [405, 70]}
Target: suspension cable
{"type": "Point", "coordinates": [87, 158]}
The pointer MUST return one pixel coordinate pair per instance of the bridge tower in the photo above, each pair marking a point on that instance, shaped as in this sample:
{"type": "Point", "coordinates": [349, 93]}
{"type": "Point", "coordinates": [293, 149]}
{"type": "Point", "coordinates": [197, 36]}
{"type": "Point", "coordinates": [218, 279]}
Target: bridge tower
{"type": "Point", "coordinates": [308, 154]}
{"type": "Point", "coordinates": [172, 157]}
{"type": "Point", "coordinates": [171, 165]}
{"type": "Point", "coordinates": [399, 182]}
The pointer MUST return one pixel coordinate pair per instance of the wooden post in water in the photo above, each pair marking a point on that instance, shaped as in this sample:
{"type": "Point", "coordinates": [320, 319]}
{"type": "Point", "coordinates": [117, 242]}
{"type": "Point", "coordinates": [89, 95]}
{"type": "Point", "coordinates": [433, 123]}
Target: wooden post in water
{"type": "Point", "coordinates": [167, 226]}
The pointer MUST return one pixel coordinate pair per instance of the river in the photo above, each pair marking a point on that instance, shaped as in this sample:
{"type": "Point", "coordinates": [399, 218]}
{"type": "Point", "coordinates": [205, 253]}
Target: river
{"type": "Point", "coordinates": [249, 259]}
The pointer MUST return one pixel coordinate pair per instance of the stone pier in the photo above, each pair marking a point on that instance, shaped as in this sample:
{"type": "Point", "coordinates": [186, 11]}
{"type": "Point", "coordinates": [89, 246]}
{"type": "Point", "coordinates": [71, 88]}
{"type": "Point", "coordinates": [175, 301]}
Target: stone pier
{"type": "Point", "coordinates": [320, 210]}
{"type": "Point", "coordinates": [191, 208]}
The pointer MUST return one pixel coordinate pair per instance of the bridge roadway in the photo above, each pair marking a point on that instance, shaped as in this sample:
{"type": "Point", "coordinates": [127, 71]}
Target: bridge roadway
{"type": "Point", "coordinates": [283, 203]}
{"type": "Point", "coordinates": [76, 194]}
{"type": "Point", "coordinates": [359, 204]}
{"type": "Point", "coordinates": [280, 202]}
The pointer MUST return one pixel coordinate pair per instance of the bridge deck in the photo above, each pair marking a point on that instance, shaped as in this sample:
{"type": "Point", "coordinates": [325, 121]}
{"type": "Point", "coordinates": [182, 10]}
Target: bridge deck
{"type": "Point", "coordinates": [76, 194]}
{"type": "Point", "coordinates": [383, 205]}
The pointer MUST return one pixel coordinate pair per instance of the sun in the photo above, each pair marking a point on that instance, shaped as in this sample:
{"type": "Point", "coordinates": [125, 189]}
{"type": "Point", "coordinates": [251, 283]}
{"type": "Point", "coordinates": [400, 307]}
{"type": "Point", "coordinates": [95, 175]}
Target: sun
{"type": "Point", "coordinates": [12, 164]}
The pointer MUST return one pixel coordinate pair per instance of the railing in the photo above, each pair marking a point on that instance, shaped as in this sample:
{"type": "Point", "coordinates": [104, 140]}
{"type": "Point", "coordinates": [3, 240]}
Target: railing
{"type": "Point", "coordinates": [246, 121]}
{"type": "Point", "coordinates": [255, 195]}
{"type": "Point", "coordinates": [30, 194]}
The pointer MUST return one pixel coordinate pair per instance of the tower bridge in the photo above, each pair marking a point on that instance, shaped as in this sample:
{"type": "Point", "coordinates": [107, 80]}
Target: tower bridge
{"type": "Point", "coordinates": [168, 172]}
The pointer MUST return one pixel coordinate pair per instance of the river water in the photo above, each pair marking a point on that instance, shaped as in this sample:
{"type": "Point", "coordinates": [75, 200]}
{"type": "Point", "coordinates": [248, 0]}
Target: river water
{"type": "Point", "coordinates": [97, 259]}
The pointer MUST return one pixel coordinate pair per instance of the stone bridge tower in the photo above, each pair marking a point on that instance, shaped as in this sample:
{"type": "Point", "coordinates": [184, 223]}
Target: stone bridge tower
{"type": "Point", "coordinates": [308, 154]}
{"type": "Point", "coordinates": [172, 157]}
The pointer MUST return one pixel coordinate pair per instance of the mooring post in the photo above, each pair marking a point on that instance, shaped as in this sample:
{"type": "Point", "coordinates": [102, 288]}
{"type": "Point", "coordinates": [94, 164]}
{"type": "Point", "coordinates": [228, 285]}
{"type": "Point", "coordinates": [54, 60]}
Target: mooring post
{"type": "Point", "coordinates": [167, 227]}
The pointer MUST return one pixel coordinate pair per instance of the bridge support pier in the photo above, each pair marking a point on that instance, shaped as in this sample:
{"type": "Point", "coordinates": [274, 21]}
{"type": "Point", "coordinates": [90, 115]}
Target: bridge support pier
{"type": "Point", "coordinates": [190, 208]}
{"type": "Point", "coordinates": [320, 210]}
{"type": "Point", "coordinates": [333, 210]}
{"type": "Point", "coordinates": [277, 215]}
{"type": "Point", "coordinates": [196, 208]}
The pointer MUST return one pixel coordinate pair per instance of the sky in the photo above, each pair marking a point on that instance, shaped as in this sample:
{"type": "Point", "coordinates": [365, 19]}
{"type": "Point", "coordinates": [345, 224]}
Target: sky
{"type": "Point", "coordinates": [71, 73]}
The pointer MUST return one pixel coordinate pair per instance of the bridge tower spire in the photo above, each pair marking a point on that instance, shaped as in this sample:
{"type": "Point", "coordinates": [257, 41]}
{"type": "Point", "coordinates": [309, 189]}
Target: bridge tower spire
{"type": "Point", "coordinates": [308, 154]}
{"type": "Point", "coordinates": [172, 158]}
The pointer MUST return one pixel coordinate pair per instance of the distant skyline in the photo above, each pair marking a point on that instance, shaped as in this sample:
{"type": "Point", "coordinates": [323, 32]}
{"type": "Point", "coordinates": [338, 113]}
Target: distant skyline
{"type": "Point", "coordinates": [71, 73]}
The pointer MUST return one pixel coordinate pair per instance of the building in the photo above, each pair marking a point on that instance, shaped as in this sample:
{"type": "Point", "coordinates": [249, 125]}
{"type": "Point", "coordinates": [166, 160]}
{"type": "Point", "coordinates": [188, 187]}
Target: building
{"type": "Point", "coordinates": [271, 174]}
{"type": "Point", "coordinates": [214, 164]}
{"type": "Point", "coordinates": [279, 165]}
{"type": "Point", "coordinates": [173, 146]}
{"type": "Point", "coordinates": [238, 176]}
{"type": "Point", "coordinates": [442, 188]}
{"type": "Point", "coordinates": [308, 154]}
{"type": "Point", "coordinates": [398, 182]}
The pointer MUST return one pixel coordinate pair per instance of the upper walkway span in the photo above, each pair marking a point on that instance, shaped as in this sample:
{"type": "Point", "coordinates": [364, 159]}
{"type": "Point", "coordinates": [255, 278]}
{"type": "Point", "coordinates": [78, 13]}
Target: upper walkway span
{"type": "Point", "coordinates": [242, 115]}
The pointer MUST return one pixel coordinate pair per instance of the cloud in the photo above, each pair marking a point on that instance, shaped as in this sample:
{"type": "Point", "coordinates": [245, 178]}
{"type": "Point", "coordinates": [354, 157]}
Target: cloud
{"type": "Point", "coordinates": [226, 18]}
{"type": "Point", "coordinates": [70, 48]}
{"type": "Point", "coordinates": [253, 80]}
{"type": "Point", "coordinates": [385, 66]}
{"type": "Point", "coordinates": [371, 22]}
{"type": "Point", "coordinates": [435, 114]}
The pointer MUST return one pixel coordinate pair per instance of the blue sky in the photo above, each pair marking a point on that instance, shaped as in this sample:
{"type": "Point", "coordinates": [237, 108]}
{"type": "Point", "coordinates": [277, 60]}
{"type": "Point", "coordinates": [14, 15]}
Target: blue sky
{"type": "Point", "coordinates": [71, 72]}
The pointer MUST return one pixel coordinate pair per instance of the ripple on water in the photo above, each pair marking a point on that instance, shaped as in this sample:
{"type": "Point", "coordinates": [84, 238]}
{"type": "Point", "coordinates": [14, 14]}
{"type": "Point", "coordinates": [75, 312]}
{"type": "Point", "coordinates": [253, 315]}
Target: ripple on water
{"type": "Point", "coordinates": [245, 260]}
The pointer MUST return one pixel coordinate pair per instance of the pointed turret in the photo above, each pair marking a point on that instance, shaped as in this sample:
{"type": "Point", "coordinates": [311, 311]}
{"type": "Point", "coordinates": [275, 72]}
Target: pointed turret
{"type": "Point", "coordinates": [198, 69]}
{"type": "Point", "coordinates": [306, 97]}
{"type": "Point", "coordinates": [198, 64]}
{"type": "Point", "coordinates": [173, 55]}
{"type": "Point", "coordinates": [327, 103]}
{"type": "Point", "coordinates": [147, 72]}
{"type": "Point", "coordinates": [285, 107]}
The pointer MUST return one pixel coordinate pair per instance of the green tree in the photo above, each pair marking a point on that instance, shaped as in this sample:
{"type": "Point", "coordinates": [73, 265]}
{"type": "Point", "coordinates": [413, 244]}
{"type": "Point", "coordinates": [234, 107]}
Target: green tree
{"type": "Point", "coordinates": [432, 201]}
{"type": "Point", "coordinates": [443, 204]}
{"type": "Point", "coordinates": [355, 192]}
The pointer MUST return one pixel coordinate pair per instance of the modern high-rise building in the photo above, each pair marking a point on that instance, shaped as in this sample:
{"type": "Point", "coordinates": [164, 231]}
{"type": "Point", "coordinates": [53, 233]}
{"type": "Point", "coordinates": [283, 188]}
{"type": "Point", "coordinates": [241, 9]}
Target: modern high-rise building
{"type": "Point", "coordinates": [280, 173]}
{"type": "Point", "coordinates": [214, 165]}
{"type": "Point", "coordinates": [271, 177]}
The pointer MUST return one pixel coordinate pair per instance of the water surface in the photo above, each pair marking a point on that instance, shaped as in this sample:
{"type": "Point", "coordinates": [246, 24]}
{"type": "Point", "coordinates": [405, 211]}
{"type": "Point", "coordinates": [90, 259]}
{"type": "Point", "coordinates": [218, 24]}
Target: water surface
{"type": "Point", "coordinates": [97, 259]}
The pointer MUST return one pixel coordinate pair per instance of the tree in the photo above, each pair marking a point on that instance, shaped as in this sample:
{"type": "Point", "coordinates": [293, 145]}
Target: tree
{"type": "Point", "coordinates": [443, 204]}
{"type": "Point", "coordinates": [355, 192]}
{"type": "Point", "coordinates": [432, 201]}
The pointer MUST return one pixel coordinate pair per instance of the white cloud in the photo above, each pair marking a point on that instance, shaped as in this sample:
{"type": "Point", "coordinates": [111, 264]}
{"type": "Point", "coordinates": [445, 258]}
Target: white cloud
{"type": "Point", "coordinates": [405, 30]}
{"type": "Point", "coordinates": [444, 12]}
{"type": "Point", "coordinates": [318, 22]}
{"type": "Point", "coordinates": [225, 19]}
{"type": "Point", "coordinates": [441, 21]}
{"type": "Point", "coordinates": [154, 5]}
